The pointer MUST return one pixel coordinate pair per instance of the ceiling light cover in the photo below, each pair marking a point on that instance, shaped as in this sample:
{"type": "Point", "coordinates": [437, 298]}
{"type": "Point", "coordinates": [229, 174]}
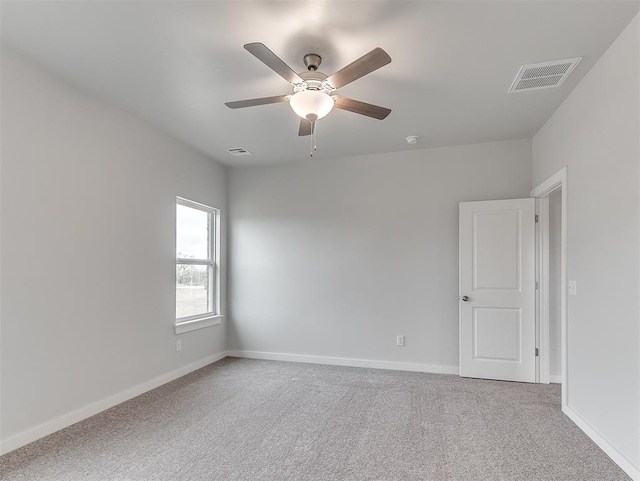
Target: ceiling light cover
{"type": "Point", "coordinates": [311, 104]}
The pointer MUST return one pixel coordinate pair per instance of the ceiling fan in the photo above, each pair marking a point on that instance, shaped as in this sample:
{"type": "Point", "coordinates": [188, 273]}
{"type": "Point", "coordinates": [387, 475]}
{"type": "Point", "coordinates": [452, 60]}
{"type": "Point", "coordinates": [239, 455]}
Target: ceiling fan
{"type": "Point", "coordinates": [313, 94]}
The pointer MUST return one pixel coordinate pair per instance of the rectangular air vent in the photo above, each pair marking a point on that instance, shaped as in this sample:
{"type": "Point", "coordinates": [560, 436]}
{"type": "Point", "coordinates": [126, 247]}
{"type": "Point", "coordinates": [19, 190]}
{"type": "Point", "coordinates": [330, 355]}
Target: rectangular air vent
{"type": "Point", "coordinates": [543, 75]}
{"type": "Point", "coordinates": [238, 151]}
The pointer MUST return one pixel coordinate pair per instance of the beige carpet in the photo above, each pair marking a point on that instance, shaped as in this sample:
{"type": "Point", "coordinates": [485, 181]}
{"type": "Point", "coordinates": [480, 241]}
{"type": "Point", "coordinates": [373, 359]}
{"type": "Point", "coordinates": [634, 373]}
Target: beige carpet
{"type": "Point", "coordinates": [243, 419]}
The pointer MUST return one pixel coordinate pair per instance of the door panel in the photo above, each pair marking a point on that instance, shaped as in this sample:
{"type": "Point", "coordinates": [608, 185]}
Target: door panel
{"type": "Point", "coordinates": [497, 277]}
{"type": "Point", "coordinates": [495, 250]}
{"type": "Point", "coordinates": [496, 334]}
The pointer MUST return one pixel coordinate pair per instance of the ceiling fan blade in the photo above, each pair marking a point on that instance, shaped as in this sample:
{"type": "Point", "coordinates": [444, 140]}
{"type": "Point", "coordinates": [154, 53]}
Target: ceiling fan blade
{"type": "Point", "coordinates": [271, 60]}
{"type": "Point", "coordinates": [239, 104]}
{"type": "Point", "coordinates": [361, 108]}
{"type": "Point", "coordinates": [364, 65]}
{"type": "Point", "coordinates": [306, 128]}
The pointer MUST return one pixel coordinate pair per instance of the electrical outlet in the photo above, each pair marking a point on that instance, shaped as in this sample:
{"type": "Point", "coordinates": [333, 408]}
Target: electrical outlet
{"type": "Point", "coordinates": [179, 345]}
{"type": "Point", "coordinates": [399, 340]}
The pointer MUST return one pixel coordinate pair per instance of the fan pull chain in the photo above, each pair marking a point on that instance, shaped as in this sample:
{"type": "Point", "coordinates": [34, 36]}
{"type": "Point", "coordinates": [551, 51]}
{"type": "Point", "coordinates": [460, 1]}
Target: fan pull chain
{"type": "Point", "coordinates": [315, 135]}
{"type": "Point", "coordinates": [313, 138]}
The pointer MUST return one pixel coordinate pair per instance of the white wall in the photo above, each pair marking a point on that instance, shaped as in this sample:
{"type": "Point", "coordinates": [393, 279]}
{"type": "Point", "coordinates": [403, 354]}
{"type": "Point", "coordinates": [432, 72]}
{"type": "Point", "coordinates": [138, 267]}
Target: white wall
{"type": "Point", "coordinates": [555, 247]}
{"type": "Point", "coordinates": [596, 134]}
{"type": "Point", "coordinates": [88, 250]}
{"type": "Point", "coordinates": [337, 257]}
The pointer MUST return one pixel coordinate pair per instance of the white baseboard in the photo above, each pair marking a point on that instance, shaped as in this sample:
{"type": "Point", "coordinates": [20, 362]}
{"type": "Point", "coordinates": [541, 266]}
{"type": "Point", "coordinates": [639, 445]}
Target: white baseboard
{"type": "Point", "coordinates": [616, 456]}
{"type": "Point", "coordinates": [21, 439]}
{"type": "Point", "coordinates": [343, 361]}
{"type": "Point", "coordinates": [555, 378]}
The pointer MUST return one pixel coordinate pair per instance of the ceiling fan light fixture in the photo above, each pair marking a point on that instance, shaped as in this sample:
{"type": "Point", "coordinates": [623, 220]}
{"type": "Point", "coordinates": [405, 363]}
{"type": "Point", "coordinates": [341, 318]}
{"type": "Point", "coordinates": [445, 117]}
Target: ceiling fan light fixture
{"type": "Point", "coordinates": [312, 97]}
{"type": "Point", "coordinates": [311, 104]}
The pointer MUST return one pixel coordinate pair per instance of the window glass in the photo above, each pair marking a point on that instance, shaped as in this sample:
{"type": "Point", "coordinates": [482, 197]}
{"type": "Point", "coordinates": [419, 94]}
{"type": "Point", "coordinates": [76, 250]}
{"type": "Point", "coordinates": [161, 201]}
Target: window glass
{"type": "Point", "coordinates": [192, 228]}
{"type": "Point", "coordinates": [192, 290]}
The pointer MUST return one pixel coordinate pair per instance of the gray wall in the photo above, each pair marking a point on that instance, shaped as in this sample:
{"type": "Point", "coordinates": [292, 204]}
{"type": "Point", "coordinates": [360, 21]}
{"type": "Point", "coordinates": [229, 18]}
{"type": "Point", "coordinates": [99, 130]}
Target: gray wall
{"type": "Point", "coordinates": [595, 134]}
{"type": "Point", "coordinates": [88, 249]}
{"type": "Point", "coordinates": [337, 257]}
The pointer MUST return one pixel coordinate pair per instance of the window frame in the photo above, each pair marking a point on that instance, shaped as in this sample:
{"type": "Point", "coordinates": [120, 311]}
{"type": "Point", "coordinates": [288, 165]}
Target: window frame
{"type": "Point", "coordinates": [214, 316]}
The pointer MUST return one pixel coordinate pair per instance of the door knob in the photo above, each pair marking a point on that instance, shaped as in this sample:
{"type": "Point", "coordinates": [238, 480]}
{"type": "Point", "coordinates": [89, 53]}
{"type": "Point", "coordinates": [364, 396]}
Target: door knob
{"type": "Point", "coordinates": [465, 298]}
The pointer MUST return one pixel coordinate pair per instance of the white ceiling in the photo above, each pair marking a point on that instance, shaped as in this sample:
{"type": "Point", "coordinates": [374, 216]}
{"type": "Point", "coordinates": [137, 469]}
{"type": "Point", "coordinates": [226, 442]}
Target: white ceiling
{"type": "Point", "coordinates": [174, 64]}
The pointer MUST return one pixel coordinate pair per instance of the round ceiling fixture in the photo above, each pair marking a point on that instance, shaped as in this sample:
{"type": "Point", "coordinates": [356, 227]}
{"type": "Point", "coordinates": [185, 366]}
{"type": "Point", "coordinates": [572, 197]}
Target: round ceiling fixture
{"type": "Point", "coordinates": [412, 139]}
{"type": "Point", "coordinates": [311, 104]}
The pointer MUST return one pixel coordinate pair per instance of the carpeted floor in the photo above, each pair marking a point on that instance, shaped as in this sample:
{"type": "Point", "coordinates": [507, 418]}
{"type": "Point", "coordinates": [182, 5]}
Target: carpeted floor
{"type": "Point", "coordinates": [241, 419]}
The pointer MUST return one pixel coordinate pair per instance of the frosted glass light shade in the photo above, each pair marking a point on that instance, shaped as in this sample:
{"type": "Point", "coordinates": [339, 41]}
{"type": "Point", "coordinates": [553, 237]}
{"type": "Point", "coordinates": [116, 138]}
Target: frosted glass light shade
{"type": "Point", "coordinates": [311, 104]}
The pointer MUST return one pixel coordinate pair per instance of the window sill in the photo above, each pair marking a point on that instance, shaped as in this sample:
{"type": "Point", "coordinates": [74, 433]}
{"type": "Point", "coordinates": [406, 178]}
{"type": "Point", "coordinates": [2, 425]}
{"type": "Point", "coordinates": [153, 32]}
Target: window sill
{"type": "Point", "coordinates": [192, 325]}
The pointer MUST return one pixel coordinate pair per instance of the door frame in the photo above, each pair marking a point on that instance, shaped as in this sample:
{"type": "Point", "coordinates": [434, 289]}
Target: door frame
{"type": "Point", "coordinates": [557, 182]}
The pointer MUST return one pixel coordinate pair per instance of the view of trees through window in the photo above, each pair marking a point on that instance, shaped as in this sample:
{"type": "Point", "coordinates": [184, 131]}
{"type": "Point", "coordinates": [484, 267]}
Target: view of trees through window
{"type": "Point", "coordinates": [192, 290]}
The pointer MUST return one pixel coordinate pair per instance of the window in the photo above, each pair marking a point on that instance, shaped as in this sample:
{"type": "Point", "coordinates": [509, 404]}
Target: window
{"type": "Point", "coordinates": [197, 273]}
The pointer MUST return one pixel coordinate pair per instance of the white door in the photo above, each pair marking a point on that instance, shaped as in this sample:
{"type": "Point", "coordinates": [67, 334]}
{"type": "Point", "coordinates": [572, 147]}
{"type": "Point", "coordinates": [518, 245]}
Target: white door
{"type": "Point", "coordinates": [497, 290]}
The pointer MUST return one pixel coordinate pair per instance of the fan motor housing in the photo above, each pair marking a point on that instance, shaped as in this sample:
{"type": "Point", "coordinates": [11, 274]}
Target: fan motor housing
{"type": "Point", "coordinates": [313, 81]}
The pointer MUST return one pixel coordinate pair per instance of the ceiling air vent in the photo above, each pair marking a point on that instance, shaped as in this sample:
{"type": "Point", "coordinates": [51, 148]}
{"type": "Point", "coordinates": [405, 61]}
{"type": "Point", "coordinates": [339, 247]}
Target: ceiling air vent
{"type": "Point", "coordinates": [543, 75]}
{"type": "Point", "coordinates": [237, 151]}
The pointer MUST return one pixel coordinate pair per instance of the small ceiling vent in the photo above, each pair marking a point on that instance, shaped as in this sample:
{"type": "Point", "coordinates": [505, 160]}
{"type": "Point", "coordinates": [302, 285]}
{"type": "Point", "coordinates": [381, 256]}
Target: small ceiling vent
{"type": "Point", "coordinates": [543, 75]}
{"type": "Point", "coordinates": [237, 151]}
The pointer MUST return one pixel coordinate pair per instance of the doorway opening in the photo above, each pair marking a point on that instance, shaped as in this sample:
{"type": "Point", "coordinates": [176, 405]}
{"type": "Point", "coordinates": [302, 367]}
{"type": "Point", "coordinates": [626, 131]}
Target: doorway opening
{"type": "Point", "coordinates": [551, 263]}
